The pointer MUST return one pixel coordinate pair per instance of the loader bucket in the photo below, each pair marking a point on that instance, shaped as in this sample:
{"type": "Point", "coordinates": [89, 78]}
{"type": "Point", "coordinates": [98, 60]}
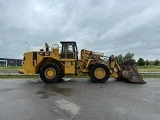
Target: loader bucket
{"type": "Point", "coordinates": [131, 74]}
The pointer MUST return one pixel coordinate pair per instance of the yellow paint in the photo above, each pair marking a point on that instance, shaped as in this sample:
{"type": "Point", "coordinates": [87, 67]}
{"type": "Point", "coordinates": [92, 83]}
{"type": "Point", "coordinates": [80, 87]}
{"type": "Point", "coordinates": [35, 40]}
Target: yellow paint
{"type": "Point", "coordinates": [100, 73]}
{"type": "Point", "coordinates": [50, 73]}
{"type": "Point", "coordinates": [69, 66]}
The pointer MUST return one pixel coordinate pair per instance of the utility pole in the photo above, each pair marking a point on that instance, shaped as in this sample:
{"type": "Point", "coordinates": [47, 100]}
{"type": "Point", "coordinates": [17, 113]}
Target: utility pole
{"type": "Point", "coordinates": [28, 46]}
{"type": "Point", "coordinates": [12, 60]}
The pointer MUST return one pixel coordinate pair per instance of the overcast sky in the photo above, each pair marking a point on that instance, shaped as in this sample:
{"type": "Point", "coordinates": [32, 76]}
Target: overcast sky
{"type": "Point", "coordinates": [108, 26]}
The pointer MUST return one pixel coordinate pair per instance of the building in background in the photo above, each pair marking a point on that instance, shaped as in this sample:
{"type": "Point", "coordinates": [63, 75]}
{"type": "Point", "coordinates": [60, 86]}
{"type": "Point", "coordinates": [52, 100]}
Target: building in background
{"type": "Point", "coordinates": [10, 62]}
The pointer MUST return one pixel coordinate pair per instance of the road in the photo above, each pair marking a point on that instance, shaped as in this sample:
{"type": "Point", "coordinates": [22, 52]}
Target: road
{"type": "Point", "coordinates": [79, 99]}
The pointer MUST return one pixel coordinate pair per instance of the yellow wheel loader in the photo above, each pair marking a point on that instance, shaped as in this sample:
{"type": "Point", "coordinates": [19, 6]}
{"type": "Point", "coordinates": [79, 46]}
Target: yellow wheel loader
{"type": "Point", "coordinates": [54, 62]}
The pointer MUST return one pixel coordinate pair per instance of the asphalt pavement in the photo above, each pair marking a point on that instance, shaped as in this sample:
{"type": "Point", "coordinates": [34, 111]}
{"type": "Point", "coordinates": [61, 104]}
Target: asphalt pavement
{"type": "Point", "coordinates": [79, 99]}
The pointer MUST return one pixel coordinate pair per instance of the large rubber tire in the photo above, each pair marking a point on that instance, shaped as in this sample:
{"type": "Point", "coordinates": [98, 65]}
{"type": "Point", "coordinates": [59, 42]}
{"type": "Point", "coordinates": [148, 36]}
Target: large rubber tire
{"type": "Point", "coordinates": [61, 76]}
{"type": "Point", "coordinates": [50, 73]}
{"type": "Point", "coordinates": [99, 73]}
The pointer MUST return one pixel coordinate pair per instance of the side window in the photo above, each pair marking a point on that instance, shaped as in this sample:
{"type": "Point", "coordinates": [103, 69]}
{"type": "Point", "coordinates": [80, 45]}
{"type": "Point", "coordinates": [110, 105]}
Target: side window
{"type": "Point", "coordinates": [70, 48]}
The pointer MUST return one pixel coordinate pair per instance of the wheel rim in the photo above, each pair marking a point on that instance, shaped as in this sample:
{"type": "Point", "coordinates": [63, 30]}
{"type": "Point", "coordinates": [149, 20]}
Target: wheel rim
{"type": "Point", "coordinates": [50, 73]}
{"type": "Point", "coordinates": [100, 73]}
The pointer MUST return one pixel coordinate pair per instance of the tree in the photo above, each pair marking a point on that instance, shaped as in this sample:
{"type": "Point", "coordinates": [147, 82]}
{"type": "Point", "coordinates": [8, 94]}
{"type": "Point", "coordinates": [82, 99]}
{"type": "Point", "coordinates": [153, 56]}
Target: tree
{"type": "Point", "coordinates": [119, 59]}
{"type": "Point", "coordinates": [141, 62]}
{"type": "Point", "coordinates": [147, 62]}
{"type": "Point", "coordinates": [128, 56]}
{"type": "Point", "coordinates": [156, 62]}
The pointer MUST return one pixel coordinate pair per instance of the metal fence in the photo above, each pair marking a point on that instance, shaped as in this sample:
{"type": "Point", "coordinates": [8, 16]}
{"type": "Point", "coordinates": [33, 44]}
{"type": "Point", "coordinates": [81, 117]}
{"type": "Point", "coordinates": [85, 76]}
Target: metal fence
{"type": "Point", "coordinates": [150, 73]}
{"type": "Point", "coordinates": [10, 62]}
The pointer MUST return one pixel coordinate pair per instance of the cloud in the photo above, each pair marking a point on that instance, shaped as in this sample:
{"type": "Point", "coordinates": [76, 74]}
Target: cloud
{"type": "Point", "coordinates": [109, 26]}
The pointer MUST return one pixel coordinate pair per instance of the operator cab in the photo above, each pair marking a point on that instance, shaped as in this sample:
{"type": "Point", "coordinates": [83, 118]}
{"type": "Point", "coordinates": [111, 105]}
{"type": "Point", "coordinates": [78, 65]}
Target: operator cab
{"type": "Point", "coordinates": [69, 50]}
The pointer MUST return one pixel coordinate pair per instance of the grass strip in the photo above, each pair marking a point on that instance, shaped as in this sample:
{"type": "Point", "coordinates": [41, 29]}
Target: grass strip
{"type": "Point", "coordinates": [79, 76]}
